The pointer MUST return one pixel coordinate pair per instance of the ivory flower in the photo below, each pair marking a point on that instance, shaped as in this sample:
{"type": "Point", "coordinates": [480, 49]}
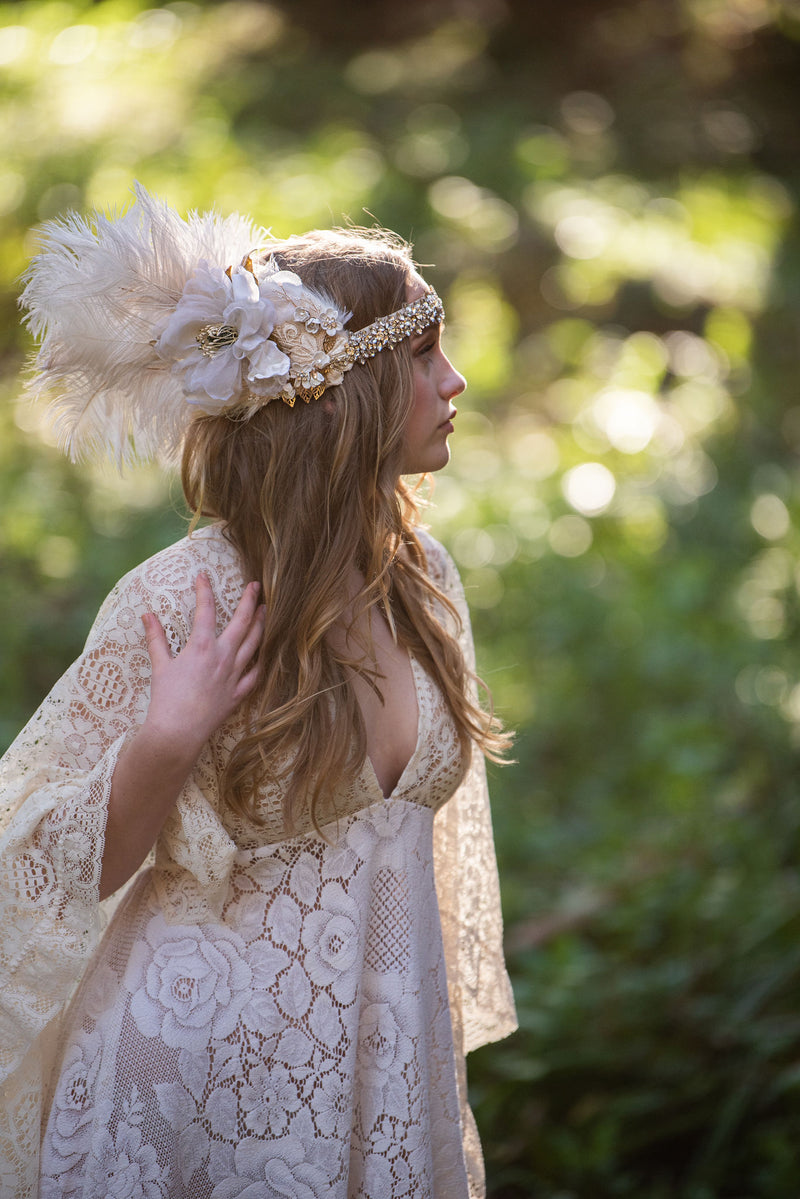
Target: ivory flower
{"type": "Point", "coordinates": [230, 306]}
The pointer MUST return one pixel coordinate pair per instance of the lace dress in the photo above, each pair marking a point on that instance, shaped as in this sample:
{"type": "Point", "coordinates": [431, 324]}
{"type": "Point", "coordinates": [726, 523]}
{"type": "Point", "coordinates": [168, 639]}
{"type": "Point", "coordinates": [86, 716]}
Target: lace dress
{"type": "Point", "coordinates": [257, 1014]}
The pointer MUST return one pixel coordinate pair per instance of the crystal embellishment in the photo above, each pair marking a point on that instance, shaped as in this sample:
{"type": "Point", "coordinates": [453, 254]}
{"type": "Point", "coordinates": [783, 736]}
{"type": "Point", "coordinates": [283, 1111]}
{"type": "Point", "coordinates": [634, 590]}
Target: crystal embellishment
{"type": "Point", "coordinates": [388, 331]}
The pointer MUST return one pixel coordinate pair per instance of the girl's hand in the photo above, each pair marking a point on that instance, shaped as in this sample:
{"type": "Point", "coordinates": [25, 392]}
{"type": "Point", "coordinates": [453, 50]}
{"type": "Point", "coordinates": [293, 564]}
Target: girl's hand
{"type": "Point", "coordinates": [195, 692]}
{"type": "Point", "coordinates": [190, 696]}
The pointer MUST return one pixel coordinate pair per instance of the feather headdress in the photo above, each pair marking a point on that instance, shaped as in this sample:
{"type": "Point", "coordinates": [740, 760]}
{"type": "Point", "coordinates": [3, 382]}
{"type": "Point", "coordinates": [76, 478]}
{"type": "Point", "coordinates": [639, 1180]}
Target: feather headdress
{"type": "Point", "coordinates": [146, 319]}
{"type": "Point", "coordinates": [97, 297]}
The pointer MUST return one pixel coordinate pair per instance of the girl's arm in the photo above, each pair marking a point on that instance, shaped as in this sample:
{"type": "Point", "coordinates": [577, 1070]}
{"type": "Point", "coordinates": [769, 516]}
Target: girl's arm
{"type": "Point", "coordinates": [191, 695]}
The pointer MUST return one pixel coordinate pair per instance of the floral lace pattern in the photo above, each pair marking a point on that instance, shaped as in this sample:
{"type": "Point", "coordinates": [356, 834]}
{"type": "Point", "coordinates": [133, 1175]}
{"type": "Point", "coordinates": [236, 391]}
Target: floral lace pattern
{"type": "Point", "coordinates": [263, 1016]}
{"type": "Point", "coordinates": [302, 1040]}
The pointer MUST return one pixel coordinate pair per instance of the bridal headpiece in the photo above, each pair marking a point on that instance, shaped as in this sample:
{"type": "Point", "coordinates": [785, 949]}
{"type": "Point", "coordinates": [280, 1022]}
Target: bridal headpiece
{"type": "Point", "coordinates": [143, 322]}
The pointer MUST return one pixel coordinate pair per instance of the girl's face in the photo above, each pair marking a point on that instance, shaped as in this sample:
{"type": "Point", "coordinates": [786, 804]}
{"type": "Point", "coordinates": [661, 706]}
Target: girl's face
{"type": "Point", "coordinates": [436, 384]}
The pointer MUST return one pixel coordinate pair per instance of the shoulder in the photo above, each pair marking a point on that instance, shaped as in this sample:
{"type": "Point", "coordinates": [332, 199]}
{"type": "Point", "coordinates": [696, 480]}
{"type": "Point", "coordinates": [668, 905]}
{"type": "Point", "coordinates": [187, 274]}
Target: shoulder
{"type": "Point", "coordinates": [443, 573]}
{"type": "Point", "coordinates": [164, 584]}
{"type": "Point", "coordinates": [172, 571]}
{"type": "Point", "coordinates": [454, 613]}
{"type": "Point", "coordinates": [441, 568]}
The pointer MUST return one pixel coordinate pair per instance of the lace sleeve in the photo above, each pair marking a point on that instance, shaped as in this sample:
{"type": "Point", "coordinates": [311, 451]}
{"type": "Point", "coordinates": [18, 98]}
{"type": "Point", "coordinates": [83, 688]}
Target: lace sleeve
{"type": "Point", "coordinates": [466, 873]}
{"type": "Point", "coordinates": [54, 786]}
{"type": "Point", "coordinates": [55, 783]}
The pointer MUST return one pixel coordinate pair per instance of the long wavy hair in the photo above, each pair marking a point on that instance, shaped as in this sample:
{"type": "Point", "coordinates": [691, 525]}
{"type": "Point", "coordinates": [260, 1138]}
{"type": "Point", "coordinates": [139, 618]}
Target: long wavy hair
{"type": "Point", "coordinates": [306, 495]}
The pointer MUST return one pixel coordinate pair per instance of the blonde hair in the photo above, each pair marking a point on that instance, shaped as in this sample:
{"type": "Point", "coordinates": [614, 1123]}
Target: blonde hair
{"type": "Point", "coordinates": [307, 494]}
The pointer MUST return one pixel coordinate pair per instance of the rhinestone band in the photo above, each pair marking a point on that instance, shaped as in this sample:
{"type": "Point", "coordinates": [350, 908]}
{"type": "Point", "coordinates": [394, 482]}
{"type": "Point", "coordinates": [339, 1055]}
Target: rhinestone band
{"type": "Point", "coordinates": [386, 332]}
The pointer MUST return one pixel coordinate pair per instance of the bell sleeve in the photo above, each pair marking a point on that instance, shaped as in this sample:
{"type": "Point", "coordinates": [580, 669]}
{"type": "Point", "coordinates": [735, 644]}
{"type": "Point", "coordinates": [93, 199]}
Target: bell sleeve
{"type": "Point", "coordinates": [468, 890]}
{"type": "Point", "coordinates": [55, 783]}
{"type": "Point", "coordinates": [466, 872]}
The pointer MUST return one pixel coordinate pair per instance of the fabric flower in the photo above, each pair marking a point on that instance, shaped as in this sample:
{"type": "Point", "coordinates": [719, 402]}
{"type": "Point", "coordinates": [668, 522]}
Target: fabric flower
{"type": "Point", "coordinates": [378, 833]}
{"type": "Point", "coordinates": [388, 1041]}
{"type": "Point", "coordinates": [193, 981]}
{"type": "Point", "coordinates": [332, 940]}
{"type": "Point", "coordinates": [77, 848]}
{"type": "Point", "coordinates": [202, 302]}
{"type": "Point", "coordinates": [73, 1106]}
{"type": "Point", "coordinates": [251, 332]}
{"type": "Point", "coordinates": [331, 1103]}
{"type": "Point", "coordinates": [296, 1166]}
{"type": "Point", "coordinates": [213, 376]}
{"type": "Point", "coordinates": [378, 1037]}
{"type": "Point", "coordinates": [272, 1097]}
{"type": "Point", "coordinates": [125, 1167]}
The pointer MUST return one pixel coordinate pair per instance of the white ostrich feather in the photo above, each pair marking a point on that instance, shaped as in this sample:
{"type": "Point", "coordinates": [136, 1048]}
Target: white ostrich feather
{"type": "Point", "coordinates": [98, 295]}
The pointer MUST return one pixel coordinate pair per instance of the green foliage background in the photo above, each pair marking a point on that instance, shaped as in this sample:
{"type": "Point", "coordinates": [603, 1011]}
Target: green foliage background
{"type": "Point", "coordinates": [608, 192]}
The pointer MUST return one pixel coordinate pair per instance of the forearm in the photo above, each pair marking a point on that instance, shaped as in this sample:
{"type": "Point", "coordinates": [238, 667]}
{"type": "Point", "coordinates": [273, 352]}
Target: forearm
{"type": "Point", "coordinates": [149, 776]}
{"type": "Point", "coordinates": [191, 695]}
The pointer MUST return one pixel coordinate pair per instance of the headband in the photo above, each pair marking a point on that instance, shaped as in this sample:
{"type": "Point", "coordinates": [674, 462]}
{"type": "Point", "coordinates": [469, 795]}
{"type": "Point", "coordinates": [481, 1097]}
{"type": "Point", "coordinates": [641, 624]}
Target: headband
{"type": "Point", "coordinates": [141, 327]}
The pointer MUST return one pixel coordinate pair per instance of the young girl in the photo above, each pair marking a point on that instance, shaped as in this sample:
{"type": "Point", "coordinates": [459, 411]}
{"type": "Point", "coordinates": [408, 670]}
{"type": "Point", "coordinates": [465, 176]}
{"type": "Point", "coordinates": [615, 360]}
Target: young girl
{"type": "Point", "coordinates": [270, 752]}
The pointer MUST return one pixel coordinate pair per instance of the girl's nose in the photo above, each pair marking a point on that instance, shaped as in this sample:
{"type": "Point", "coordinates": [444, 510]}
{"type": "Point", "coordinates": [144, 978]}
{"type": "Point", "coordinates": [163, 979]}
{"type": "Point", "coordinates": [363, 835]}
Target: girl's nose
{"type": "Point", "coordinates": [453, 383]}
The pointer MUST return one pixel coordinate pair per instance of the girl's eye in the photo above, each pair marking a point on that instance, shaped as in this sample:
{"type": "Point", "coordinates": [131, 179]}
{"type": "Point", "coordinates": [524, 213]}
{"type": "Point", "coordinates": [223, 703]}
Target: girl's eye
{"type": "Point", "coordinates": [426, 347]}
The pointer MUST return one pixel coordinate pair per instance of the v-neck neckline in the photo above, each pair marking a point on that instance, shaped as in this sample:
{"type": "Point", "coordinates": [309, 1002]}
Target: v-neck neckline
{"type": "Point", "coordinates": [368, 763]}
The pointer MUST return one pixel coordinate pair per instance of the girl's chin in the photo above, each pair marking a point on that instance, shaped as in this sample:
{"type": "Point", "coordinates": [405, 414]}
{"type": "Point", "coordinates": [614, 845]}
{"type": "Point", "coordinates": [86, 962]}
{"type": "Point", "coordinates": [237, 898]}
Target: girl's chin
{"type": "Point", "coordinates": [432, 464]}
{"type": "Point", "coordinates": [433, 458]}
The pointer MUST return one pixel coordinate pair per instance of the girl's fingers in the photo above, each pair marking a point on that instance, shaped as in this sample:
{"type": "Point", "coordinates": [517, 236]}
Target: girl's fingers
{"type": "Point", "coordinates": [205, 654]}
{"type": "Point", "coordinates": [156, 640]}
{"type": "Point", "coordinates": [205, 612]}
{"type": "Point", "coordinates": [242, 618]}
{"type": "Point", "coordinates": [252, 639]}
{"type": "Point", "coordinates": [246, 684]}
{"type": "Point", "coordinates": [204, 623]}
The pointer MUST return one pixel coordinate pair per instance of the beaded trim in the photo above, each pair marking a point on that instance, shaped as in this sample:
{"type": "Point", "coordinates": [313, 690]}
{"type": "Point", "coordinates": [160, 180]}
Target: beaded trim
{"type": "Point", "coordinates": [386, 332]}
{"type": "Point", "coordinates": [383, 334]}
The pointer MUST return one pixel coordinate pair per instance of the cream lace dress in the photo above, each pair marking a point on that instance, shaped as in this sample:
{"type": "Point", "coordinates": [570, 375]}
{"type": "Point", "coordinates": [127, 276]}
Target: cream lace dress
{"type": "Point", "coordinates": [257, 1014]}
